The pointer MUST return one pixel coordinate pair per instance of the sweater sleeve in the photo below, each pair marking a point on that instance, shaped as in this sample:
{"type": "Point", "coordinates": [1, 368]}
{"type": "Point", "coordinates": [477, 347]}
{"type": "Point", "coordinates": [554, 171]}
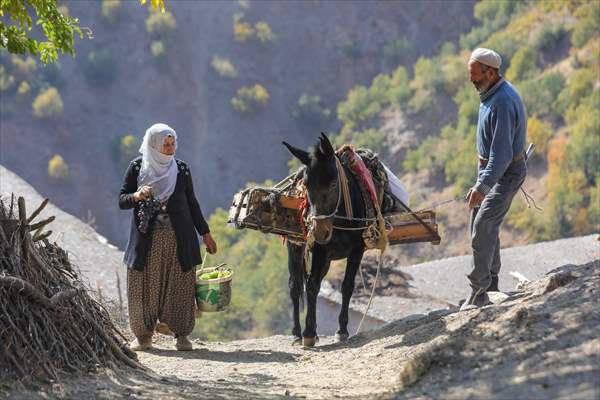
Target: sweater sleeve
{"type": "Point", "coordinates": [501, 149]}
{"type": "Point", "coordinates": [197, 217]}
{"type": "Point", "coordinates": [128, 188]}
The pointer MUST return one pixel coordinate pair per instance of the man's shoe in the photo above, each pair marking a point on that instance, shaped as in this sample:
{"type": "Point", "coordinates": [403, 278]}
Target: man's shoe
{"type": "Point", "coordinates": [182, 343]}
{"type": "Point", "coordinates": [141, 345]}
{"type": "Point", "coordinates": [478, 298]}
{"type": "Point", "coordinates": [494, 285]}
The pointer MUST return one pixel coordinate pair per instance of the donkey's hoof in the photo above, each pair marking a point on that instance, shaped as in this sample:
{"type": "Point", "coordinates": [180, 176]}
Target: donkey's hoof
{"type": "Point", "coordinates": [341, 337]}
{"type": "Point", "coordinates": [310, 342]}
{"type": "Point", "coordinates": [297, 341]}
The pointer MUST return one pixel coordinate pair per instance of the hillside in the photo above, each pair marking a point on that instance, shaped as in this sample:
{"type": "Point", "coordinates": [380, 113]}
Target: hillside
{"type": "Point", "coordinates": [550, 52]}
{"type": "Point", "coordinates": [116, 86]}
{"type": "Point", "coordinates": [541, 342]}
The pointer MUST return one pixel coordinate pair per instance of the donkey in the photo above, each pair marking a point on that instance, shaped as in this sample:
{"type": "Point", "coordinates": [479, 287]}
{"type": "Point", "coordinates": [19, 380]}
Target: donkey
{"type": "Point", "coordinates": [332, 242]}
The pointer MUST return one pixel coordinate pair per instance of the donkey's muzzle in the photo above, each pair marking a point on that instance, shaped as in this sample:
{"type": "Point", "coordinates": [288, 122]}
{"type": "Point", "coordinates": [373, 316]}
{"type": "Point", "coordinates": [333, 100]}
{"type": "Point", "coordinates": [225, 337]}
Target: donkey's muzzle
{"type": "Point", "coordinates": [323, 231]}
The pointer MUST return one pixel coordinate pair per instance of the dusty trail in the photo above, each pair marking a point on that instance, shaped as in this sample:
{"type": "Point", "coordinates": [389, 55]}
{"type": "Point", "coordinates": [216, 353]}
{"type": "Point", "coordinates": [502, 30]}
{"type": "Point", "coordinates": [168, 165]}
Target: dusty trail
{"type": "Point", "coordinates": [541, 342]}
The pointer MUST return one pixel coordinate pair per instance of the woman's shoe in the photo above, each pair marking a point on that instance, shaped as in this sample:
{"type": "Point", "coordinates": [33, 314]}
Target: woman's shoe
{"type": "Point", "coordinates": [182, 343]}
{"type": "Point", "coordinates": [164, 329]}
{"type": "Point", "coordinates": [141, 345]}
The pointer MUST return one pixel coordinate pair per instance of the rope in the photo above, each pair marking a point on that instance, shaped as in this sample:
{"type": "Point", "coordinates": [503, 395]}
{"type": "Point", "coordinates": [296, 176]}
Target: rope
{"type": "Point", "coordinates": [343, 182]}
{"type": "Point", "coordinates": [372, 290]}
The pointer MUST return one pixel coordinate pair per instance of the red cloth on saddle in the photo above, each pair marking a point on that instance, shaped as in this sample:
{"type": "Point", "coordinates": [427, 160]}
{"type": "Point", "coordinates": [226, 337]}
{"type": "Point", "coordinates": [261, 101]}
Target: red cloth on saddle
{"type": "Point", "coordinates": [360, 169]}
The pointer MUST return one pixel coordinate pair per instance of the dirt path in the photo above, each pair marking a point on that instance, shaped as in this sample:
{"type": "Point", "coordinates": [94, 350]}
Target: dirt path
{"type": "Point", "coordinates": [541, 342]}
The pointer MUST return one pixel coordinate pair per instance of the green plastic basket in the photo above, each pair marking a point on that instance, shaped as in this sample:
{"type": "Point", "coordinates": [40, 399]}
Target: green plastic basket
{"type": "Point", "coordinates": [213, 295]}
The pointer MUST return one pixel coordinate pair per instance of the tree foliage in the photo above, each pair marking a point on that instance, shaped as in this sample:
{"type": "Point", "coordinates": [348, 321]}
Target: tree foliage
{"type": "Point", "coordinates": [224, 67]}
{"type": "Point", "coordinates": [48, 104]}
{"type": "Point", "coordinates": [58, 168]}
{"type": "Point", "coordinates": [250, 99]}
{"type": "Point", "coordinates": [58, 29]}
{"type": "Point", "coordinates": [310, 111]}
{"type": "Point", "coordinates": [522, 65]}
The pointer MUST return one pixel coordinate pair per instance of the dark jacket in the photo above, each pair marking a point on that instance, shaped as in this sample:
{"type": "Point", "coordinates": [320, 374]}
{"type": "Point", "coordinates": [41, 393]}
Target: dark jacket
{"type": "Point", "coordinates": [184, 212]}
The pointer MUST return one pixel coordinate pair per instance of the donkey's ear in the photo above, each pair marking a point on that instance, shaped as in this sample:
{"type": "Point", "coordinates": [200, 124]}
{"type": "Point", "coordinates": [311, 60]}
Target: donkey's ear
{"type": "Point", "coordinates": [326, 147]}
{"type": "Point", "coordinates": [300, 154]}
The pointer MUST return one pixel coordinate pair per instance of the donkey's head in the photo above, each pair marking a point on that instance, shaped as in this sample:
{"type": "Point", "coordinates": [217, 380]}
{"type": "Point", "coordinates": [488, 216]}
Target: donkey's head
{"type": "Point", "coordinates": [322, 185]}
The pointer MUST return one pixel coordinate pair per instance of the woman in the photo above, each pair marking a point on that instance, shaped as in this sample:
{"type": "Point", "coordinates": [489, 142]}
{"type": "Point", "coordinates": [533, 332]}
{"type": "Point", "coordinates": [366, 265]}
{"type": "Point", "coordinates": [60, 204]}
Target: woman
{"type": "Point", "coordinates": [163, 250]}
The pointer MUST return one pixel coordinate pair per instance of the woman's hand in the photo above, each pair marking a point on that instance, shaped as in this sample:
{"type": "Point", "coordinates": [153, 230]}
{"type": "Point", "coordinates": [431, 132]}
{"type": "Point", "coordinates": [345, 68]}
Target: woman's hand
{"type": "Point", "coordinates": [142, 194]}
{"type": "Point", "coordinates": [211, 245]}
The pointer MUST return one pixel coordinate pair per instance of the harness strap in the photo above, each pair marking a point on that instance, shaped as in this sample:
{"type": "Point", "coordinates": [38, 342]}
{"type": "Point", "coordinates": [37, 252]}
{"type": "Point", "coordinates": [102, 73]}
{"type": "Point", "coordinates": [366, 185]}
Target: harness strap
{"type": "Point", "coordinates": [343, 181]}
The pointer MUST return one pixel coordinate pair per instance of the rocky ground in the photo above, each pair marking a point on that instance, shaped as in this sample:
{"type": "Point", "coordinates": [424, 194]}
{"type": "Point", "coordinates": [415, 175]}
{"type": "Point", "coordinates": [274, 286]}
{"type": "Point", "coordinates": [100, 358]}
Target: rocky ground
{"type": "Point", "coordinates": [440, 284]}
{"type": "Point", "coordinates": [537, 343]}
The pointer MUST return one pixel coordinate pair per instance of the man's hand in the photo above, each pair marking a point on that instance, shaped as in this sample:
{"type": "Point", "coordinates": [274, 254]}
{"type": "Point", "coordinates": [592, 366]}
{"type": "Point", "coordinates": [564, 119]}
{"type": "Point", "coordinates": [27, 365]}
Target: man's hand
{"type": "Point", "coordinates": [143, 193]}
{"type": "Point", "coordinates": [211, 245]}
{"type": "Point", "coordinates": [474, 198]}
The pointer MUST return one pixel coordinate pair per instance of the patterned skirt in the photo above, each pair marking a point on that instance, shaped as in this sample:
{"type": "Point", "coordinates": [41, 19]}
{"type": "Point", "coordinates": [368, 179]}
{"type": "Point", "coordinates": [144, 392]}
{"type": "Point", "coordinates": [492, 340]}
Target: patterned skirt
{"type": "Point", "coordinates": [161, 292]}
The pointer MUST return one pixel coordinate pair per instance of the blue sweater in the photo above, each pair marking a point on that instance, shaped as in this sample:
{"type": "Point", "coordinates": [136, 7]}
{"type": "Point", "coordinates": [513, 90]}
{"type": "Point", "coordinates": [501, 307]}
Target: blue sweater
{"type": "Point", "coordinates": [501, 132]}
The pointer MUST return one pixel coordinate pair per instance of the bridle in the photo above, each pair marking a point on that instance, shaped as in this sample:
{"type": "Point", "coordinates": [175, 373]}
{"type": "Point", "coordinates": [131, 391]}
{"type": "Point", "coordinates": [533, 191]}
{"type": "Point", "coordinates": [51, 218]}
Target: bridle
{"type": "Point", "coordinates": [341, 194]}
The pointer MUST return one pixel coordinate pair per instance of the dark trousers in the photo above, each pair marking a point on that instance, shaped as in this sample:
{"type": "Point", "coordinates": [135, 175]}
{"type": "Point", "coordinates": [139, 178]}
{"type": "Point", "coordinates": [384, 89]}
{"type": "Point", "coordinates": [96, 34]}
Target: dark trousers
{"type": "Point", "coordinates": [485, 225]}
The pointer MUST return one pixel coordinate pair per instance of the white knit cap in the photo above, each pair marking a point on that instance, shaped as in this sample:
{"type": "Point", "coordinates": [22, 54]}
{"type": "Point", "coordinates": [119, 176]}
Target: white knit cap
{"type": "Point", "coordinates": [487, 57]}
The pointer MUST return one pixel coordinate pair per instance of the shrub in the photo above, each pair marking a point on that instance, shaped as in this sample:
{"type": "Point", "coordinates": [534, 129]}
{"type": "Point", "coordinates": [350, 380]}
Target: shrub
{"type": "Point", "coordinates": [111, 10]}
{"type": "Point", "coordinates": [581, 84]}
{"type": "Point", "coordinates": [242, 31]}
{"type": "Point", "coordinates": [422, 158]}
{"type": "Point", "coordinates": [587, 25]}
{"type": "Point", "coordinates": [23, 68]}
{"type": "Point", "coordinates": [594, 208]}
{"type": "Point", "coordinates": [6, 79]}
{"type": "Point", "coordinates": [361, 105]}
{"type": "Point", "coordinates": [395, 51]}
{"type": "Point", "coordinates": [421, 101]}
{"type": "Point", "coordinates": [399, 87]}
{"type": "Point", "coordinates": [128, 149]}
{"type": "Point", "coordinates": [540, 94]}
{"type": "Point", "coordinates": [454, 67]}
{"type": "Point", "coordinates": [539, 132]}
{"type": "Point", "coordinates": [157, 48]}
{"type": "Point", "coordinates": [58, 168]}
{"type": "Point", "coordinates": [428, 78]}
{"type": "Point", "coordinates": [160, 25]}
{"type": "Point", "coordinates": [494, 15]}
{"type": "Point", "coordinates": [224, 67]}
{"type": "Point", "coordinates": [583, 149]}
{"type": "Point", "coordinates": [522, 65]}
{"type": "Point", "coordinates": [250, 99]}
{"type": "Point", "coordinates": [310, 111]}
{"type": "Point", "coordinates": [369, 138]}
{"type": "Point", "coordinates": [23, 89]}
{"type": "Point", "coordinates": [263, 32]}
{"type": "Point", "coordinates": [99, 67]}
{"type": "Point", "coordinates": [48, 104]}
{"type": "Point", "coordinates": [547, 37]}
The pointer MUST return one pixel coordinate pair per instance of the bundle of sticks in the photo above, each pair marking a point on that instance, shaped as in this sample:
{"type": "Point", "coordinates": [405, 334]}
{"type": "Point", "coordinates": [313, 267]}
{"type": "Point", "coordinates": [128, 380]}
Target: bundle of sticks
{"type": "Point", "coordinates": [49, 323]}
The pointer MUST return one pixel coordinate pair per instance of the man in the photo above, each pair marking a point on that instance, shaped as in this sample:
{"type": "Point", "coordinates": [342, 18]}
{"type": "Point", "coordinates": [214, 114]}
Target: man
{"type": "Point", "coordinates": [501, 136]}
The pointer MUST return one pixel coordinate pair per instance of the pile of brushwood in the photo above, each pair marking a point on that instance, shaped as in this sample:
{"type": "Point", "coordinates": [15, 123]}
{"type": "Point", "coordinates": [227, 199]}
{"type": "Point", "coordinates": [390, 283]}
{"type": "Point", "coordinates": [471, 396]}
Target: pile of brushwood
{"type": "Point", "coordinates": [49, 324]}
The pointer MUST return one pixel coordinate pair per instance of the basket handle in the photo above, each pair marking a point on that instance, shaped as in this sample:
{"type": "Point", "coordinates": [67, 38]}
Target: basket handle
{"type": "Point", "coordinates": [204, 261]}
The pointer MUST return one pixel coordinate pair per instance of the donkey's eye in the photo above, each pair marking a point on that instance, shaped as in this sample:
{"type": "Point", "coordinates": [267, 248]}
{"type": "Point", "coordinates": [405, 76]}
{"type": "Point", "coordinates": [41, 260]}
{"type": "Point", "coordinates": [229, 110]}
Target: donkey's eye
{"type": "Point", "coordinates": [332, 185]}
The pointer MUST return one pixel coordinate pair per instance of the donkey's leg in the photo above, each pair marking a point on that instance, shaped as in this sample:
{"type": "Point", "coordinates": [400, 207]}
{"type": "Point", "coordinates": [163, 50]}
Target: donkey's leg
{"type": "Point", "coordinates": [320, 266]}
{"type": "Point", "coordinates": [352, 265]}
{"type": "Point", "coordinates": [296, 285]}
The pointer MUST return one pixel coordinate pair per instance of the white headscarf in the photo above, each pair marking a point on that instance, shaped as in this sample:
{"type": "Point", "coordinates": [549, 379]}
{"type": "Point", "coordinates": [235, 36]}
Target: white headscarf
{"type": "Point", "coordinates": [158, 170]}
